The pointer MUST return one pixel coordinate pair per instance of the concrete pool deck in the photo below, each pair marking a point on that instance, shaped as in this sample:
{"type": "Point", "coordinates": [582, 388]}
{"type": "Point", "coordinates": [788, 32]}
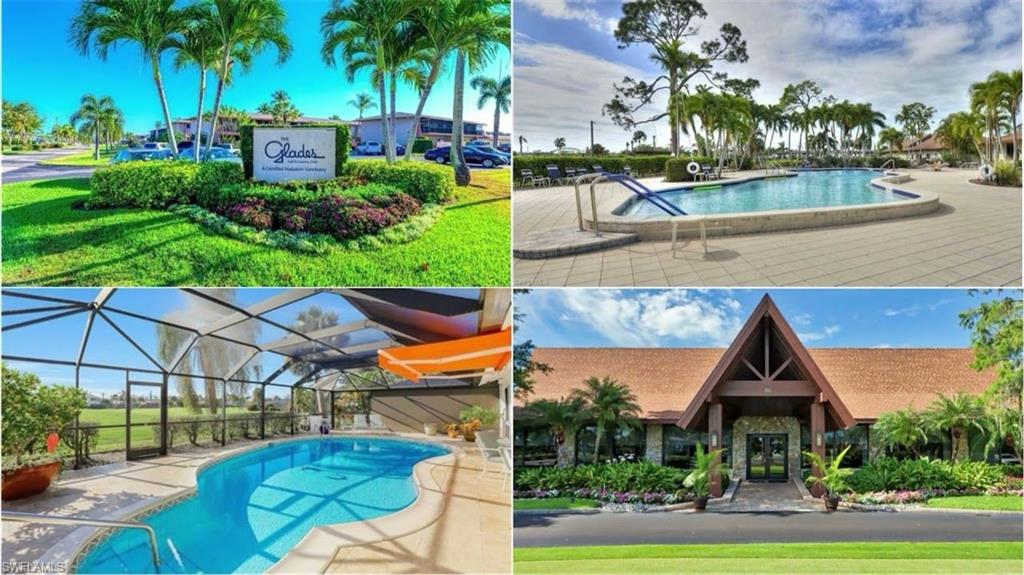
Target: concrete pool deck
{"type": "Point", "coordinates": [458, 501]}
{"type": "Point", "coordinates": [973, 239]}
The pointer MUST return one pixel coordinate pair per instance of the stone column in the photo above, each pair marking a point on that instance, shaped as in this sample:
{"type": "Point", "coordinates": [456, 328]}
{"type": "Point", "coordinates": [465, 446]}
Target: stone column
{"type": "Point", "coordinates": [715, 443]}
{"type": "Point", "coordinates": [654, 442]}
{"type": "Point", "coordinates": [817, 442]}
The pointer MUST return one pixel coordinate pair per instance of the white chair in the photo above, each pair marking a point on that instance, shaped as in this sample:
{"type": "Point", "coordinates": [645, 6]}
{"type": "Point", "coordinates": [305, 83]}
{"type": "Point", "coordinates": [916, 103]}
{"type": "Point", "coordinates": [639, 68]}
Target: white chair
{"type": "Point", "coordinates": [314, 423]}
{"type": "Point", "coordinates": [359, 422]}
{"type": "Point", "coordinates": [506, 458]}
{"type": "Point", "coordinates": [377, 422]}
{"type": "Point", "coordinates": [487, 442]}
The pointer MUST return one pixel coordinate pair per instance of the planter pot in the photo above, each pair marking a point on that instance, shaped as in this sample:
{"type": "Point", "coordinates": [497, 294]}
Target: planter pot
{"type": "Point", "coordinates": [29, 481]}
{"type": "Point", "coordinates": [700, 503]}
{"type": "Point", "coordinates": [831, 502]}
{"type": "Point", "coordinates": [429, 429]}
{"type": "Point", "coordinates": [469, 436]}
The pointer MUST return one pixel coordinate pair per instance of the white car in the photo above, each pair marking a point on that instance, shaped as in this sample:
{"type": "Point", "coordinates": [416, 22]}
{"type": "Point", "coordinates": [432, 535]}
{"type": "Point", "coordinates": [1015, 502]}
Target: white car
{"type": "Point", "coordinates": [370, 149]}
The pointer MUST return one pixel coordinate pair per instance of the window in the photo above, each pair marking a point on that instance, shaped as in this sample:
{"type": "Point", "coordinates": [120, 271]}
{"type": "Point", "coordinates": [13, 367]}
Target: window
{"type": "Point", "coordinates": [678, 446]}
{"type": "Point", "coordinates": [625, 442]}
{"type": "Point", "coordinates": [837, 440]}
{"type": "Point", "coordinates": [534, 445]}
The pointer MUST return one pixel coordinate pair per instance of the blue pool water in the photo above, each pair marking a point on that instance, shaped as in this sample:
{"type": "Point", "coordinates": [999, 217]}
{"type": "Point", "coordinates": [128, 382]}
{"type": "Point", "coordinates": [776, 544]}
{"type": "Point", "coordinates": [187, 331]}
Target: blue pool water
{"type": "Point", "coordinates": [815, 189]}
{"type": "Point", "coordinates": [250, 510]}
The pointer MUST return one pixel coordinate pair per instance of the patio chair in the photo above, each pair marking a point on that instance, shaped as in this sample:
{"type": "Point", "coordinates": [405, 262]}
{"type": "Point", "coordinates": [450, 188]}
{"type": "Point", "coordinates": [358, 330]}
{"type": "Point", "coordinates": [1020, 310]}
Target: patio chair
{"type": "Point", "coordinates": [377, 422]}
{"type": "Point", "coordinates": [570, 174]}
{"type": "Point", "coordinates": [626, 170]}
{"type": "Point", "coordinates": [314, 423]}
{"type": "Point", "coordinates": [529, 179]}
{"type": "Point", "coordinates": [598, 169]}
{"type": "Point", "coordinates": [506, 458]}
{"type": "Point", "coordinates": [487, 442]}
{"type": "Point", "coordinates": [555, 175]}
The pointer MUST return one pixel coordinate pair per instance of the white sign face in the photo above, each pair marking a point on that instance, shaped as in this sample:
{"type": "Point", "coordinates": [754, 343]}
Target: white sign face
{"type": "Point", "coordinates": [284, 154]}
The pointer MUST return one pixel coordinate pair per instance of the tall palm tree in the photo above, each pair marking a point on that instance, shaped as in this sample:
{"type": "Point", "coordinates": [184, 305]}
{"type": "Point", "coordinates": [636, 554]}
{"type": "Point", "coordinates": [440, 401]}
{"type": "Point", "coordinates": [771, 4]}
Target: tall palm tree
{"type": "Point", "coordinates": [564, 417]}
{"type": "Point", "coordinates": [280, 108]}
{"type": "Point", "coordinates": [986, 99]}
{"type": "Point", "coordinates": [91, 117]}
{"type": "Point", "coordinates": [892, 138]}
{"type": "Point", "coordinates": [198, 46]}
{"type": "Point", "coordinates": [522, 140]}
{"type": "Point", "coordinates": [610, 405]}
{"type": "Point", "coordinates": [963, 131]}
{"type": "Point", "coordinates": [493, 28]}
{"type": "Point", "coordinates": [362, 102]}
{"type": "Point", "coordinates": [499, 90]}
{"type": "Point", "coordinates": [904, 428]}
{"type": "Point", "coordinates": [1009, 85]}
{"type": "Point", "coordinates": [151, 24]}
{"type": "Point", "coordinates": [245, 28]}
{"type": "Point", "coordinates": [956, 414]}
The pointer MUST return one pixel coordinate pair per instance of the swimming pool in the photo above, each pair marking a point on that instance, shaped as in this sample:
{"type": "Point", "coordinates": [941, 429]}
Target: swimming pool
{"type": "Point", "coordinates": [808, 189]}
{"type": "Point", "coordinates": [251, 509]}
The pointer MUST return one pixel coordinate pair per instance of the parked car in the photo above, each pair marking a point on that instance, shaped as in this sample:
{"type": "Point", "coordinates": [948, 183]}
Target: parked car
{"type": "Point", "coordinates": [507, 148]}
{"type": "Point", "coordinates": [490, 150]}
{"type": "Point", "coordinates": [141, 155]}
{"type": "Point", "coordinates": [155, 146]}
{"type": "Point", "coordinates": [214, 155]}
{"type": "Point", "coordinates": [370, 149]}
{"type": "Point", "coordinates": [472, 155]}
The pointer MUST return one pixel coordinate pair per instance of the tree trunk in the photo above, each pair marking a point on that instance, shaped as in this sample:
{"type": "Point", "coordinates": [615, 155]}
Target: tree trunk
{"type": "Point", "coordinates": [462, 176]}
{"type": "Point", "coordinates": [155, 58]}
{"type": "Point", "coordinates": [673, 127]}
{"type": "Point", "coordinates": [497, 121]}
{"type": "Point", "coordinates": [393, 149]}
{"type": "Point", "coordinates": [385, 126]}
{"type": "Point", "coordinates": [96, 148]}
{"type": "Point", "coordinates": [597, 442]}
{"type": "Point", "coordinates": [216, 99]}
{"type": "Point", "coordinates": [198, 139]}
{"type": "Point", "coordinates": [424, 94]}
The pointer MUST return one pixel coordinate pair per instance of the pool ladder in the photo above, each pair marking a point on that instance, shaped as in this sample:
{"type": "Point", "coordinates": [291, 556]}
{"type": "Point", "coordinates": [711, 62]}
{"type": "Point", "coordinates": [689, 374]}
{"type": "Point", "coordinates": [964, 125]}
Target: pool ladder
{"type": "Point", "coordinates": [771, 167]}
{"type": "Point", "coordinates": [17, 516]}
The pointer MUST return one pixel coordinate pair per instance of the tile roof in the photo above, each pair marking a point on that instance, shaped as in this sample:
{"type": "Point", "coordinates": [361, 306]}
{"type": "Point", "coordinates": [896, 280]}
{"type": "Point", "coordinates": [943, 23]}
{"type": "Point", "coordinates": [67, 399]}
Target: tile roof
{"type": "Point", "coordinates": [869, 381]}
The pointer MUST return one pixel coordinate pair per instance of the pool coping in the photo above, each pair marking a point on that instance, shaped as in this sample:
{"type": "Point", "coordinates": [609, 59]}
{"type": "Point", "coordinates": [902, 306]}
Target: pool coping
{"type": "Point", "coordinates": [918, 202]}
{"type": "Point", "coordinates": [426, 508]}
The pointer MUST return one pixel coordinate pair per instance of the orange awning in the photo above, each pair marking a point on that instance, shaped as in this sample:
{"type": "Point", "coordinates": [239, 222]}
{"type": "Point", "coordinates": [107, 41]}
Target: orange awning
{"type": "Point", "coordinates": [472, 354]}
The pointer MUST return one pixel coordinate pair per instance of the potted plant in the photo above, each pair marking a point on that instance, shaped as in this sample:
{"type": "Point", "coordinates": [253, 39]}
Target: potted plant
{"type": "Point", "coordinates": [475, 418]}
{"type": "Point", "coordinates": [452, 429]}
{"type": "Point", "coordinates": [833, 478]}
{"type": "Point", "coordinates": [32, 411]}
{"type": "Point", "coordinates": [705, 466]}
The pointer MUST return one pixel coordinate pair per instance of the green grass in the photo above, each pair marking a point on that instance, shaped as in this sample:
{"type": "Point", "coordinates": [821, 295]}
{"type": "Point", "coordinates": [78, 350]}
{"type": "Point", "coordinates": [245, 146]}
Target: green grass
{"type": "Point", "coordinates": [83, 159]}
{"type": "Point", "coordinates": [984, 502]}
{"type": "Point", "coordinates": [555, 503]}
{"type": "Point", "coordinates": [960, 557]}
{"type": "Point", "coordinates": [45, 242]}
{"type": "Point", "coordinates": [113, 439]}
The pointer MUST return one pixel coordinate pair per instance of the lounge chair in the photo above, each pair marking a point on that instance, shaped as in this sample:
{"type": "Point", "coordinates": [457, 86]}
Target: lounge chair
{"type": "Point", "coordinates": [377, 422]}
{"type": "Point", "coordinates": [555, 175]}
{"type": "Point", "coordinates": [314, 423]}
{"type": "Point", "coordinates": [487, 442]}
{"type": "Point", "coordinates": [570, 174]}
{"type": "Point", "coordinates": [529, 179]}
{"type": "Point", "coordinates": [598, 169]}
{"type": "Point", "coordinates": [626, 170]}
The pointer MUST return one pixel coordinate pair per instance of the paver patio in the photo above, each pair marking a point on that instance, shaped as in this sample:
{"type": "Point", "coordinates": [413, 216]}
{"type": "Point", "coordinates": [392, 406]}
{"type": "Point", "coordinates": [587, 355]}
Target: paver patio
{"type": "Point", "coordinates": [974, 239]}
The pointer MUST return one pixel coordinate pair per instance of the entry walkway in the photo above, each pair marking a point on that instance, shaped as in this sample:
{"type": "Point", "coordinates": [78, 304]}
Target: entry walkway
{"type": "Point", "coordinates": [688, 527]}
{"type": "Point", "coordinates": [769, 498]}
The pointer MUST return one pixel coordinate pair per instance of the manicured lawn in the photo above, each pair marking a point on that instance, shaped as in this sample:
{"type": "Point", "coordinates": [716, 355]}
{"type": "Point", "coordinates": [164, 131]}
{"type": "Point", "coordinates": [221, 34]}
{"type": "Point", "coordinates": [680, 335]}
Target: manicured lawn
{"type": "Point", "coordinates": [555, 503]}
{"type": "Point", "coordinates": [113, 439]}
{"type": "Point", "coordinates": [961, 557]}
{"type": "Point", "coordinates": [46, 242]}
{"type": "Point", "coordinates": [83, 159]}
{"type": "Point", "coordinates": [985, 502]}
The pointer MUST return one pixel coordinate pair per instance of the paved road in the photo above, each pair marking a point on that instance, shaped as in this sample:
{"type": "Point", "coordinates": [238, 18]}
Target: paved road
{"type": "Point", "coordinates": [24, 167]}
{"type": "Point", "coordinates": [688, 527]}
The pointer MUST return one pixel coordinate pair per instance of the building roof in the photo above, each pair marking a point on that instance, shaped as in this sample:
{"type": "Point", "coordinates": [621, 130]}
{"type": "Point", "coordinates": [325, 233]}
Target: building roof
{"type": "Point", "coordinates": [407, 115]}
{"type": "Point", "coordinates": [665, 380]}
{"type": "Point", "coordinates": [928, 143]}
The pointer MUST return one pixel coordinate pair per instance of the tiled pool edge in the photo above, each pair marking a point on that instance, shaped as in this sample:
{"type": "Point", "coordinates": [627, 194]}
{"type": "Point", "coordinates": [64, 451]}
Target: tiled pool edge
{"type": "Point", "coordinates": [660, 229]}
{"type": "Point", "coordinates": [90, 537]}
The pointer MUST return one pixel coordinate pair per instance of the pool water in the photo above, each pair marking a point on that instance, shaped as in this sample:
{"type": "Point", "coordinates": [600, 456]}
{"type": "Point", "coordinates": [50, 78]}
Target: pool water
{"type": "Point", "coordinates": [814, 189]}
{"type": "Point", "coordinates": [250, 510]}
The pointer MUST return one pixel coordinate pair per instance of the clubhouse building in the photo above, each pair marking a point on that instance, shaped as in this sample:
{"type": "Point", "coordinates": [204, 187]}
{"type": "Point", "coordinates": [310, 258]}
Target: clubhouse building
{"type": "Point", "coordinates": [765, 399]}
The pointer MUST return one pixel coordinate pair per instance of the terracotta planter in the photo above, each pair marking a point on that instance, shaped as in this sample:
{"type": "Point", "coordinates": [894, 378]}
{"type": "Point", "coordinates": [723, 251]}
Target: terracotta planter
{"type": "Point", "coordinates": [700, 503]}
{"type": "Point", "coordinates": [29, 481]}
{"type": "Point", "coordinates": [831, 502]}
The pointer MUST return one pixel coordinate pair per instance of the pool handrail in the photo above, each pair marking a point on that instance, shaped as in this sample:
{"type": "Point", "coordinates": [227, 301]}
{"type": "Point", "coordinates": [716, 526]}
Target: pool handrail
{"type": "Point", "coordinates": [21, 517]}
{"type": "Point", "coordinates": [633, 185]}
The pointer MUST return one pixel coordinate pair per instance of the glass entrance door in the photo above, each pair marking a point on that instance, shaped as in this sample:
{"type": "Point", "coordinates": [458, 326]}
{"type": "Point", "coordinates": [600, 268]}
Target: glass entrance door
{"type": "Point", "coordinates": [766, 457]}
{"type": "Point", "coordinates": [145, 419]}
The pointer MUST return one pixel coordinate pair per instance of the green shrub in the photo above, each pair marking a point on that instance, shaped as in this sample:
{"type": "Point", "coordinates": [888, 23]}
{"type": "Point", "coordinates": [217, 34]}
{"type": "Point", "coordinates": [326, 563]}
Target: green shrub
{"type": "Point", "coordinates": [158, 184]}
{"type": "Point", "coordinates": [1007, 174]}
{"type": "Point", "coordinates": [284, 197]}
{"type": "Point", "coordinates": [342, 143]}
{"type": "Point", "coordinates": [421, 145]}
{"type": "Point", "coordinates": [888, 474]}
{"type": "Point", "coordinates": [639, 165]}
{"type": "Point", "coordinates": [643, 476]}
{"type": "Point", "coordinates": [427, 183]}
{"type": "Point", "coordinates": [675, 170]}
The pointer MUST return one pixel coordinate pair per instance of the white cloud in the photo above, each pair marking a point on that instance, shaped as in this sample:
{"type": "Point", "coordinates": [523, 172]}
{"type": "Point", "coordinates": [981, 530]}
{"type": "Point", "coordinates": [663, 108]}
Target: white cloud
{"type": "Point", "coordinates": [802, 319]}
{"type": "Point", "coordinates": [827, 332]}
{"type": "Point", "coordinates": [654, 319]}
{"type": "Point", "coordinates": [913, 310]}
{"type": "Point", "coordinates": [580, 10]}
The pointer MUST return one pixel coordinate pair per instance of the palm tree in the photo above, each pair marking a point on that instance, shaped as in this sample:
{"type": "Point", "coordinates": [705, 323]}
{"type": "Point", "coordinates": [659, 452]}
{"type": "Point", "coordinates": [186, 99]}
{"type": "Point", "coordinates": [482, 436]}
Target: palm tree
{"type": "Point", "coordinates": [609, 404]}
{"type": "Point", "coordinates": [964, 132]}
{"type": "Point", "coordinates": [559, 143]}
{"type": "Point", "coordinates": [1009, 84]}
{"type": "Point", "coordinates": [902, 428]}
{"type": "Point", "coordinates": [564, 417]}
{"type": "Point", "coordinates": [892, 138]}
{"type": "Point", "coordinates": [986, 99]}
{"type": "Point", "coordinates": [198, 46]}
{"type": "Point", "coordinates": [92, 116]}
{"type": "Point", "coordinates": [493, 22]}
{"type": "Point", "coordinates": [957, 414]}
{"type": "Point", "coordinates": [500, 91]}
{"type": "Point", "coordinates": [309, 320]}
{"type": "Point", "coordinates": [245, 28]}
{"type": "Point", "coordinates": [522, 140]}
{"type": "Point", "coordinates": [362, 102]}
{"type": "Point", "coordinates": [152, 24]}
{"type": "Point", "coordinates": [280, 108]}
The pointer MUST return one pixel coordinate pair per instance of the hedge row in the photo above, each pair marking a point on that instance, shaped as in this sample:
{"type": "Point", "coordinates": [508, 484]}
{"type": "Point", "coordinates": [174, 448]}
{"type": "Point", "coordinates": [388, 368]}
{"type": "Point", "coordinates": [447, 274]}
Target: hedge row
{"type": "Point", "coordinates": [640, 165]}
{"type": "Point", "coordinates": [342, 142]}
{"type": "Point", "coordinates": [159, 184]}
{"type": "Point", "coordinates": [428, 183]}
{"type": "Point", "coordinates": [278, 198]}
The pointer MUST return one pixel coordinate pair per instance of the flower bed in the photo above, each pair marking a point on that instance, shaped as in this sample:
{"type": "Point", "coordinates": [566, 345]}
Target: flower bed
{"type": "Point", "coordinates": [907, 497]}
{"type": "Point", "coordinates": [634, 500]}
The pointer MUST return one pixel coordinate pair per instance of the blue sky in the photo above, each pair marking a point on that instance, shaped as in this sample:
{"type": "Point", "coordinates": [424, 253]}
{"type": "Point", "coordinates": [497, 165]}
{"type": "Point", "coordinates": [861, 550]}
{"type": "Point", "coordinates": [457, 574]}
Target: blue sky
{"type": "Point", "coordinates": [711, 318]}
{"type": "Point", "coordinates": [888, 52]}
{"type": "Point", "coordinates": [59, 339]}
{"type": "Point", "coordinates": [41, 67]}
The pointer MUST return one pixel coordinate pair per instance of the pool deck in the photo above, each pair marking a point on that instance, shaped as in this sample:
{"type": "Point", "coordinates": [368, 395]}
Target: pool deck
{"type": "Point", "coordinates": [454, 502]}
{"type": "Point", "coordinates": [973, 239]}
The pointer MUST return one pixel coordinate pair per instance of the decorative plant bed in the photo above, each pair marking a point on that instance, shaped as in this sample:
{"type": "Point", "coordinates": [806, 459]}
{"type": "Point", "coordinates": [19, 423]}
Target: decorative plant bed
{"type": "Point", "coordinates": [28, 481]}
